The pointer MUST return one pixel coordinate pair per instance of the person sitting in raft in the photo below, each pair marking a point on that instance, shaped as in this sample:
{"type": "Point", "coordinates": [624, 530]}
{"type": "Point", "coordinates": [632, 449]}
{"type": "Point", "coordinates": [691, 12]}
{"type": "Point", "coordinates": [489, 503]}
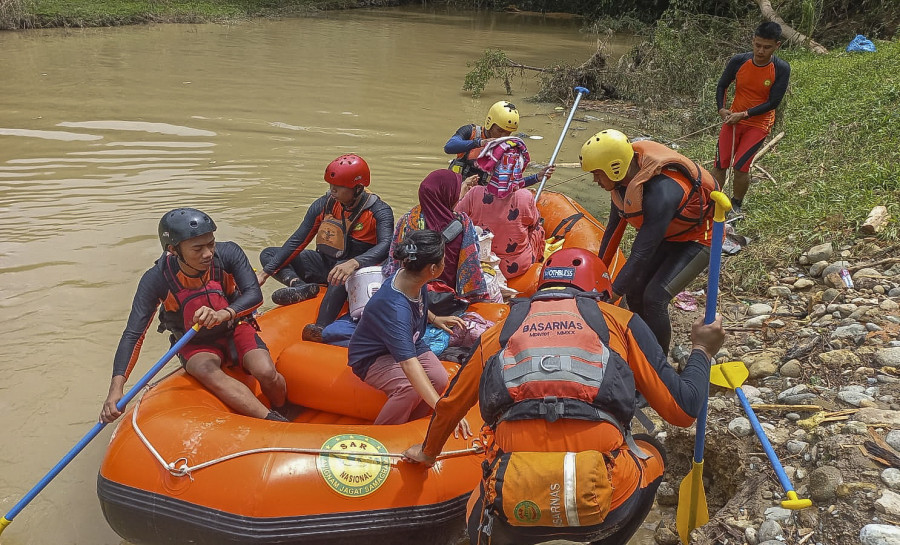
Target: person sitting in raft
{"type": "Point", "coordinates": [387, 350]}
{"type": "Point", "coordinates": [352, 228]}
{"type": "Point", "coordinates": [469, 140]}
{"type": "Point", "coordinates": [506, 208]}
{"type": "Point", "coordinates": [559, 405]}
{"type": "Point", "coordinates": [438, 194]}
{"type": "Point", "coordinates": [199, 281]}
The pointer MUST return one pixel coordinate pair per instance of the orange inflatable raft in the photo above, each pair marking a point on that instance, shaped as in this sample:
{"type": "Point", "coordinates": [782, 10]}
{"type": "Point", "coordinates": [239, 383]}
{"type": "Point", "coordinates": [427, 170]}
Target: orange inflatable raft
{"type": "Point", "coordinates": [182, 468]}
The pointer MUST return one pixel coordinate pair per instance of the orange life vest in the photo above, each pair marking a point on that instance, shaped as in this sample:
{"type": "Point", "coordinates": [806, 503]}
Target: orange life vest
{"type": "Point", "coordinates": [177, 314]}
{"type": "Point", "coordinates": [693, 219]}
{"type": "Point", "coordinates": [334, 230]}
{"type": "Point", "coordinates": [555, 362]}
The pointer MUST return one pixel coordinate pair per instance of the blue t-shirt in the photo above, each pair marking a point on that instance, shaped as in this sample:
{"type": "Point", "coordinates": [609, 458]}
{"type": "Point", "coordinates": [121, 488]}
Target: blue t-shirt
{"type": "Point", "coordinates": [392, 324]}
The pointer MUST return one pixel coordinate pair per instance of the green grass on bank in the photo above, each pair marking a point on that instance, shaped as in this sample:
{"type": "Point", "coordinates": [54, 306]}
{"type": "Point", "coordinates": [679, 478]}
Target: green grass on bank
{"type": "Point", "coordinates": [839, 158]}
{"type": "Point", "coordinates": [84, 13]}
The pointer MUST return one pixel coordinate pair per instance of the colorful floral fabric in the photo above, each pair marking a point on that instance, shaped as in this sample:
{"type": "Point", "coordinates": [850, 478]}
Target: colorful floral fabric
{"type": "Point", "coordinates": [506, 160]}
{"type": "Point", "coordinates": [470, 283]}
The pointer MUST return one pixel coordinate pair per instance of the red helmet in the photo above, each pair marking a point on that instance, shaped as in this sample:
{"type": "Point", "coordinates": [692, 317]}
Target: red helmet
{"type": "Point", "coordinates": [577, 267]}
{"type": "Point", "coordinates": [348, 171]}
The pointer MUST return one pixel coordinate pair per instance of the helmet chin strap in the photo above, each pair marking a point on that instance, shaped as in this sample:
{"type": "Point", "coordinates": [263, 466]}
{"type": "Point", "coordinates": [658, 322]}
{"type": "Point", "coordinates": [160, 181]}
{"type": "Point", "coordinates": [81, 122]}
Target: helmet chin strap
{"type": "Point", "coordinates": [183, 263]}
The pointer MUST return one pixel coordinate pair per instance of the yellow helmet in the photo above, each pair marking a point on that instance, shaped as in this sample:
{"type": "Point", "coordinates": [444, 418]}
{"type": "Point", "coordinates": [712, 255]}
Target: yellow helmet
{"type": "Point", "coordinates": [608, 151]}
{"type": "Point", "coordinates": [504, 114]}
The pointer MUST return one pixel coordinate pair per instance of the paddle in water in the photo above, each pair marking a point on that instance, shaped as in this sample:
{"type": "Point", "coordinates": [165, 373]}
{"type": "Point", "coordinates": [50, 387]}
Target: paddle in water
{"type": "Point", "coordinates": [89, 436]}
{"type": "Point", "coordinates": [692, 511]}
{"type": "Point", "coordinates": [732, 375]}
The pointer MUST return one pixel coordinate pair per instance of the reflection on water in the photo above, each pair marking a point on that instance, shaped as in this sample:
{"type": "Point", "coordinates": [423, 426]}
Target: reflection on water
{"type": "Point", "coordinates": [103, 130]}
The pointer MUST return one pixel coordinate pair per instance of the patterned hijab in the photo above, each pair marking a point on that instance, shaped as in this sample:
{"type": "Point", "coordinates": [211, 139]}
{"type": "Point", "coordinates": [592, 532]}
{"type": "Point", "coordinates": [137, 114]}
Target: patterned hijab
{"type": "Point", "coordinates": [438, 195]}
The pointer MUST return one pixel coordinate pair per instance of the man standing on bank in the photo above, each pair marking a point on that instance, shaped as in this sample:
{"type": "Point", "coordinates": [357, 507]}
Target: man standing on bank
{"type": "Point", "coordinates": [665, 196]}
{"type": "Point", "coordinates": [760, 81]}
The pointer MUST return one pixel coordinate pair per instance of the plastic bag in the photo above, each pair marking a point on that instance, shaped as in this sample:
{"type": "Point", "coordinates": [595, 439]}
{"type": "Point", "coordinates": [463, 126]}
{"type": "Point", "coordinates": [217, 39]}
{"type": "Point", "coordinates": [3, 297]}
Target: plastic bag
{"type": "Point", "coordinates": [475, 327]}
{"type": "Point", "coordinates": [437, 339]}
{"type": "Point", "coordinates": [861, 43]}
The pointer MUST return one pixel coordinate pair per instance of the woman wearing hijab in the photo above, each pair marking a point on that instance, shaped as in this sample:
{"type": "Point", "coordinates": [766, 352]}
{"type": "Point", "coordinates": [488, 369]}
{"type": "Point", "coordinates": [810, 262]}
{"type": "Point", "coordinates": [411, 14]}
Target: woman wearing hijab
{"type": "Point", "coordinates": [438, 194]}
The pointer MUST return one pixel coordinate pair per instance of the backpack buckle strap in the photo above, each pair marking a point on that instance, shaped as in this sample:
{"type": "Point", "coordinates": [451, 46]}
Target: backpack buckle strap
{"type": "Point", "coordinates": [551, 409]}
{"type": "Point", "coordinates": [633, 447]}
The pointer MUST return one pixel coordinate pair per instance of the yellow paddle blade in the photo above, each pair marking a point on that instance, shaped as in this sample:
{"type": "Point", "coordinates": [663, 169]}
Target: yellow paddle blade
{"type": "Point", "coordinates": [730, 374]}
{"type": "Point", "coordinates": [692, 511]}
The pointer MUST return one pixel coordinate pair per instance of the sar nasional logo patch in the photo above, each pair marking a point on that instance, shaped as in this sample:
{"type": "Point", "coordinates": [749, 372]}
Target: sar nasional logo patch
{"type": "Point", "coordinates": [350, 471]}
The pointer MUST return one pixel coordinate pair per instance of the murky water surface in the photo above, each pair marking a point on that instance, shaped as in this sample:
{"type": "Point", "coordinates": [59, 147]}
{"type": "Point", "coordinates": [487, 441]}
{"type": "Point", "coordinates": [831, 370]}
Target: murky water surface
{"type": "Point", "coordinates": [103, 130]}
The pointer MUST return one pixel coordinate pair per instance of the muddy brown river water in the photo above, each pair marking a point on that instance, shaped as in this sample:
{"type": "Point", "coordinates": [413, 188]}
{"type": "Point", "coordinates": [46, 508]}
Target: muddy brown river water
{"type": "Point", "coordinates": [103, 130]}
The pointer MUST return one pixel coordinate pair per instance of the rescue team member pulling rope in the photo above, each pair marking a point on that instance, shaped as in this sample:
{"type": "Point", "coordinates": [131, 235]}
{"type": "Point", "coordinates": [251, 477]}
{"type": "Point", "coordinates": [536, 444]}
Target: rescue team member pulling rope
{"type": "Point", "coordinates": [352, 228]}
{"type": "Point", "coordinates": [199, 281]}
{"type": "Point", "coordinates": [665, 196]}
{"type": "Point", "coordinates": [556, 383]}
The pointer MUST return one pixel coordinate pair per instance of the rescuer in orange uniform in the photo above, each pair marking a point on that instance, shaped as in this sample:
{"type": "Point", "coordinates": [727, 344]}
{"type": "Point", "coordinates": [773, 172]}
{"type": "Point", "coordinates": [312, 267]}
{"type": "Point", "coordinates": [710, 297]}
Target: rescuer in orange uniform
{"type": "Point", "coordinates": [556, 382]}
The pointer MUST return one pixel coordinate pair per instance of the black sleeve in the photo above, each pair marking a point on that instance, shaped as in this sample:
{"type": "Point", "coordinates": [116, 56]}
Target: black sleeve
{"type": "Point", "coordinates": [235, 262]}
{"type": "Point", "coordinates": [779, 87]}
{"type": "Point", "coordinates": [384, 232]}
{"type": "Point", "coordinates": [301, 237]}
{"type": "Point", "coordinates": [151, 291]}
{"type": "Point", "coordinates": [728, 75]}
{"type": "Point", "coordinates": [615, 216]}
{"type": "Point", "coordinates": [662, 197]}
{"type": "Point", "coordinates": [462, 140]}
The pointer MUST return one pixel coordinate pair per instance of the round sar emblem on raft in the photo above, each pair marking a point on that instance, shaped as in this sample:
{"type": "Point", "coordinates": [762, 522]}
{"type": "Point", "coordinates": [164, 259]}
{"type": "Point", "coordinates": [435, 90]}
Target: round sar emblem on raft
{"type": "Point", "coordinates": [527, 511]}
{"type": "Point", "coordinates": [349, 471]}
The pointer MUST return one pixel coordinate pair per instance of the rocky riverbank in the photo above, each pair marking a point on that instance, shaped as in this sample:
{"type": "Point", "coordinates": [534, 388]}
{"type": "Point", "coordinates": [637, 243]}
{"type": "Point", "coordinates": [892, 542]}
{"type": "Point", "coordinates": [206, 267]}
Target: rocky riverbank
{"type": "Point", "coordinates": [823, 353]}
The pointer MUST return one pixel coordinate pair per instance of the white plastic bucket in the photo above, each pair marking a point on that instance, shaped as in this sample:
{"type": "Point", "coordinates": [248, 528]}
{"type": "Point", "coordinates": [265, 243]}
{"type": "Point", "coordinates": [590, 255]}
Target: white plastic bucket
{"type": "Point", "coordinates": [361, 286]}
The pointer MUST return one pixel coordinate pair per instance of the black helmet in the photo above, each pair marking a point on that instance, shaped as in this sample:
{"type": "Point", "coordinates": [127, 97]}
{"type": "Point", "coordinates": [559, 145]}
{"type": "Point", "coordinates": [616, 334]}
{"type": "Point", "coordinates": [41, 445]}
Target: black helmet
{"type": "Point", "coordinates": [183, 223]}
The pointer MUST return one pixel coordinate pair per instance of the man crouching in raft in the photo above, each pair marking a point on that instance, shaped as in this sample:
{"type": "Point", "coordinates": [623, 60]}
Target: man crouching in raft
{"type": "Point", "coordinates": [557, 393]}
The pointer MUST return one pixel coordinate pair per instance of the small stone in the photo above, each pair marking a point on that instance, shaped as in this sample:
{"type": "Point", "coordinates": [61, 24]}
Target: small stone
{"type": "Point", "coordinates": [831, 295]}
{"type": "Point", "coordinates": [778, 291]}
{"type": "Point", "coordinates": [797, 447]}
{"type": "Point", "coordinates": [891, 477]}
{"type": "Point", "coordinates": [770, 530]}
{"type": "Point", "coordinates": [865, 279]}
{"type": "Point", "coordinates": [879, 534]}
{"type": "Point", "coordinates": [835, 267]}
{"type": "Point", "coordinates": [888, 357]}
{"type": "Point", "coordinates": [879, 289]}
{"type": "Point", "coordinates": [838, 359]}
{"type": "Point", "coordinates": [751, 536]}
{"type": "Point", "coordinates": [889, 305]}
{"type": "Point", "coordinates": [665, 536]}
{"type": "Point", "coordinates": [815, 270]}
{"type": "Point", "coordinates": [888, 503]}
{"type": "Point", "coordinates": [741, 427]}
{"type": "Point", "coordinates": [776, 324]}
{"type": "Point", "coordinates": [778, 514]}
{"type": "Point", "coordinates": [803, 284]}
{"type": "Point", "coordinates": [894, 292]}
{"type": "Point", "coordinates": [893, 439]}
{"type": "Point", "coordinates": [823, 483]}
{"type": "Point", "coordinates": [757, 321]}
{"type": "Point", "coordinates": [880, 417]}
{"type": "Point", "coordinates": [820, 252]}
{"type": "Point", "coordinates": [854, 398]}
{"type": "Point", "coordinates": [791, 369]}
{"type": "Point", "coordinates": [758, 309]}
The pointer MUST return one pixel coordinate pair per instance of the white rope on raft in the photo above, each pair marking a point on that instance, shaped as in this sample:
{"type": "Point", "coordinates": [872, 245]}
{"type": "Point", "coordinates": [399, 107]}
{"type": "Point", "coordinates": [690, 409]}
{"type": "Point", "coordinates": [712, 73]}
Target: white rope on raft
{"type": "Point", "coordinates": [185, 470]}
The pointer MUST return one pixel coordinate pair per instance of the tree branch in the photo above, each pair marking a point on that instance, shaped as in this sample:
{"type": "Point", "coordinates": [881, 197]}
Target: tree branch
{"type": "Point", "coordinates": [768, 12]}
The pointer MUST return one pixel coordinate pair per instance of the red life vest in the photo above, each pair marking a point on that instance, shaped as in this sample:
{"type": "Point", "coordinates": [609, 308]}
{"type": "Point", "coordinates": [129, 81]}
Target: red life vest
{"type": "Point", "coordinates": [555, 362]}
{"type": "Point", "coordinates": [189, 300]}
{"type": "Point", "coordinates": [693, 218]}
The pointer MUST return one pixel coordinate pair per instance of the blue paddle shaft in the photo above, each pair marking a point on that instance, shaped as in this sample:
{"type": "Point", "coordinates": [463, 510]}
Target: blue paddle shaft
{"type": "Point", "coordinates": [581, 91]}
{"type": "Point", "coordinates": [712, 297]}
{"type": "Point", "coordinates": [764, 440]}
{"type": "Point", "coordinates": [99, 426]}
